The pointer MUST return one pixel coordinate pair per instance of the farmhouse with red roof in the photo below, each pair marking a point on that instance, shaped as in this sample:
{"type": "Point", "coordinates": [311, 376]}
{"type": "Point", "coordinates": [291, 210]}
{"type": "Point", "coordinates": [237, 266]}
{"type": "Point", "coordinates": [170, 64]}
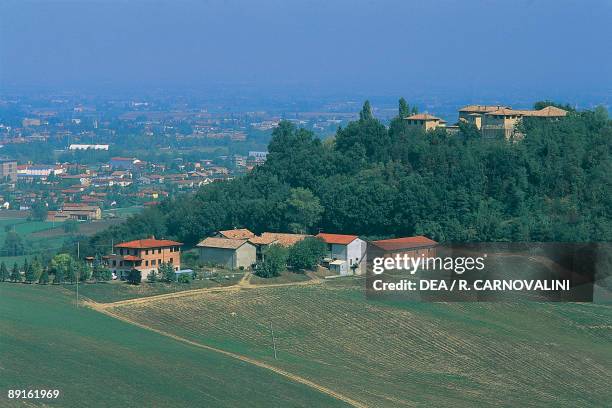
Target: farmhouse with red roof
{"type": "Point", "coordinates": [346, 254]}
{"type": "Point", "coordinates": [411, 246]}
{"type": "Point", "coordinates": [145, 255]}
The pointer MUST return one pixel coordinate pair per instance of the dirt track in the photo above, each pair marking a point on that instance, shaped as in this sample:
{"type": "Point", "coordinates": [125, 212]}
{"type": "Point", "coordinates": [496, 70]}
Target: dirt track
{"type": "Point", "coordinates": [244, 284]}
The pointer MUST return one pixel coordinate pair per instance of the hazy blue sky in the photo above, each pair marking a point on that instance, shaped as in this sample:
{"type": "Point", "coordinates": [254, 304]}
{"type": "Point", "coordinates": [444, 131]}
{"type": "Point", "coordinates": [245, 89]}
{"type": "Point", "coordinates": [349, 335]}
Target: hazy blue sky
{"type": "Point", "coordinates": [345, 46]}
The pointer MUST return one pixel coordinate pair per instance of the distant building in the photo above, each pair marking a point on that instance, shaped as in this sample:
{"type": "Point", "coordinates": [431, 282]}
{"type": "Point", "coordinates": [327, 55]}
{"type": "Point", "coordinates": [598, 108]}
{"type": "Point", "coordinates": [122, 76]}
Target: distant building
{"type": "Point", "coordinates": [8, 171]}
{"type": "Point", "coordinates": [349, 250]}
{"type": "Point", "coordinates": [237, 233]}
{"type": "Point", "coordinates": [258, 157]}
{"type": "Point", "coordinates": [425, 121]}
{"type": "Point", "coordinates": [473, 113]}
{"type": "Point", "coordinates": [239, 161]}
{"type": "Point", "coordinates": [39, 170]}
{"type": "Point", "coordinates": [145, 255]}
{"type": "Point", "coordinates": [228, 253]}
{"type": "Point", "coordinates": [27, 122]}
{"type": "Point", "coordinates": [127, 163]}
{"type": "Point", "coordinates": [500, 122]}
{"type": "Point", "coordinates": [274, 238]}
{"type": "Point", "coordinates": [88, 147]}
{"type": "Point", "coordinates": [77, 212]}
{"type": "Point", "coordinates": [411, 246]}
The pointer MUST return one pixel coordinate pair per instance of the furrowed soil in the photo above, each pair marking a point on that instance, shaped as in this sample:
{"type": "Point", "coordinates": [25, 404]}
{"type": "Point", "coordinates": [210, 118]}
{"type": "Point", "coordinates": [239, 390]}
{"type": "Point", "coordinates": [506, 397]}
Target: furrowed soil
{"type": "Point", "coordinates": [413, 354]}
{"type": "Point", "coordinates": [99, 361]}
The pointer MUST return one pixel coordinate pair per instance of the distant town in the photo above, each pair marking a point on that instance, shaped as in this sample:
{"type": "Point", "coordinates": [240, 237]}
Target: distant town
{"type": "Point", "coordinates": [76, 159]}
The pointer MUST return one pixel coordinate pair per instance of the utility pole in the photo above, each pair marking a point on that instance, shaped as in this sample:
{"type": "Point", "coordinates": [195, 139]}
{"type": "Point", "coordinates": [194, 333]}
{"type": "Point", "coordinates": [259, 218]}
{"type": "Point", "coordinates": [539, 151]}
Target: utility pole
{"type": "Point", "coordinates": [273, 341]}
{"type": "Point", "coordinates": [78, 272]}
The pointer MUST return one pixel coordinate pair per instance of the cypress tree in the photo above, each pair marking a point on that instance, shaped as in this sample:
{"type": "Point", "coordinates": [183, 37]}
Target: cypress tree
{"type": "Point", "coordinates": [44, 277]}
{"type": "Point", "coordinates": [15, 275]}
{"type": "Point", "coordinates": [4, 274]}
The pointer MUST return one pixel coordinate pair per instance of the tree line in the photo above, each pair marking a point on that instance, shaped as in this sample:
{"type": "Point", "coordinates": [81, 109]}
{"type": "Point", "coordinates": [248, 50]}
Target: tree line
{"type": "Point", "coordinates": [62, 268]}
{"type": "Point", "coordinates": [375, 180]}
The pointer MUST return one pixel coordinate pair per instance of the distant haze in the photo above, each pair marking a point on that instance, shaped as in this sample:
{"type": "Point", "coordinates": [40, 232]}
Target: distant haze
{"type": "Point", "coordinates": [470, 48]}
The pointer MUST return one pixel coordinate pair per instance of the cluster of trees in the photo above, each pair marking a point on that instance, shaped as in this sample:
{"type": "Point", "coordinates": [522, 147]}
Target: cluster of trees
{"type": "Point", "coordinates": [303, 255]}
{"type": "Point", "coordinates": [165, 273]}
{"type": "Point", "coordinates": [380, 181]}
{"type": "Point", "coordinates": [62, 268]}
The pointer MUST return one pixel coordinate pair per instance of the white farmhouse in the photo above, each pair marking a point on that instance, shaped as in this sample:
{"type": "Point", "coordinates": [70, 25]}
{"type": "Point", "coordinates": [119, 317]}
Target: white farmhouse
{"type": "Point", "coordinates": [346, 252]}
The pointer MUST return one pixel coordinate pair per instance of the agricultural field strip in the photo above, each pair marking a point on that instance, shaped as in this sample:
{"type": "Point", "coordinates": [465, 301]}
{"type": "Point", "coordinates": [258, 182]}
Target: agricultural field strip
{"type": "Point", "coordinates": [243, 284]}
{"type": "Point", "coordinates": [240, 357]}
{"type": "Point", "coordinates": [408, 331]}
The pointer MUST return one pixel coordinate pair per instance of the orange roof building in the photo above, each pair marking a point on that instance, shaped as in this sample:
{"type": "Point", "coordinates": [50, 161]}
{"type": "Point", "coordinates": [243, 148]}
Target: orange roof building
{"type": "Point", "coordinates": [346, 254]}
{"type": "Point", "coordinates": [411, 246]}
{"type": "Point", "coordinates": [425, 121]}
{"type": "Point", "coordinates": [338, 239]}
{"type": "Point", "coordinates": [145, 255]}
{"type": "Point", "coordinates": [237, 233]}
{"type": "Point", "coordinates": [227, 252]}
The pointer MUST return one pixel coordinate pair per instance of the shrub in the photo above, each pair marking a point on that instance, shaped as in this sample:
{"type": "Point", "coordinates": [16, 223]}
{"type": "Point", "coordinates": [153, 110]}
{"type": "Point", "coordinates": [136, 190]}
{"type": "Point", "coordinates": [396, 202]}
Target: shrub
{"type": "Point", "coordinates": [134, 277]}
{"type": "Point", "coordinates": [274, 262]}
{"type": "Point", "coordinates": [306, 254]}
{"type": "Point", "coordinates": [184, 278]}
{"type": "Point", "coordinates": [152, 277]}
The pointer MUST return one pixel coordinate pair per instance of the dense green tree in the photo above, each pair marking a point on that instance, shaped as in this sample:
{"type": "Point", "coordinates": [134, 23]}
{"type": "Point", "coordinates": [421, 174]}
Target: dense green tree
{"type": "Point", "coordinates": [184, 278]}
{"type": "Point", "coordinates": [404, 109]}
{"type": "Point", "coordinates": [377, 180]}
{"type": "Point", "coordinates": [274, 262]}
{"type": "Point", "coordinates": [101, 273]}
{"type": "Point", "coordinates": [84, 271]}
{"type": "Point", "coordinates": [29, 274]}
{"type": "Point", "coordinates": [71, 272]}
{"type": "Point", "coordinates": [366, 112]}
{"type": "Point", "coordinates": [303, 210]}
{"type": "Point", "coordinates": [13, 244]}
{"type": "Point", "coordinates": [44, 277]}
{"type": "Point", "coordinates": [4, 273]}
{"type": "Point", "coordinates": [166, 272]}
{"type": "Point", "coordinates": [306, 254]}
{"type": "Point", "coordinates": [38, 211]}
{"type": "Point", "coordinates": [62, 267]}
{"type": "Point", "coordinates": [152, 277]}
{"type": "Point", "coordinates": [134, 276]}
{"type": "Point", "coordinates": [15, 274]}
{"type": "Point", "coordinates": [36, 269]}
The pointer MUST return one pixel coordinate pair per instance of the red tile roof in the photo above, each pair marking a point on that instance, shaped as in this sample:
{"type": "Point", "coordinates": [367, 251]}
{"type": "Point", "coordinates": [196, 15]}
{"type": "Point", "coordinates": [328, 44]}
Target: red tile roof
{"type": "Point", "coordinates": [404, 243]}
{"type": "Point", "coordinates": [422, 116]}
{"type": "Point", "coordinates": [241, 233]}
{"type": "Point", "coordinates": [224, 243]}
{"type": "Point", "coordinates": [131, 258]}
{"type": "Point", "coordinates": [337, 238]}
{"type": "Point", "coordinates": [148, 243]}
{"type": "Point", "coordinates": [283, 239]}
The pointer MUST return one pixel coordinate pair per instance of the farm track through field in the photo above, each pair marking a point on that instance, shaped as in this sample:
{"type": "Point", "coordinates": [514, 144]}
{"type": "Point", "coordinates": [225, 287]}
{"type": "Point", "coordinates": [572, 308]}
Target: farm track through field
{"type": "Point", "coordinates": [243, 284]}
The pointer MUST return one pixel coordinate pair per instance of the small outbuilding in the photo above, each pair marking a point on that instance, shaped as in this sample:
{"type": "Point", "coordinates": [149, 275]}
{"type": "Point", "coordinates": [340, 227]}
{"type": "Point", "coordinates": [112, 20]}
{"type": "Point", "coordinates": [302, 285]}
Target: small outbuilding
{"type": "Point", "coordinates": [228, 253]}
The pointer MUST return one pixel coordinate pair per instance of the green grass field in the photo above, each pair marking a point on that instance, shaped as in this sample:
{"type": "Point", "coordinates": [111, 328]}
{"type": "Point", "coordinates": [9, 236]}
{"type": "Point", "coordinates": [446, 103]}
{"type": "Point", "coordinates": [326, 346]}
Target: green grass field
{"type": "Point", "coordinates": [98, 361]}
{"type": "Point", "coordinates": [48, 237]}
{"type": "Point", "coordinates": [385, 353]}
{"type": "Point", "coordinates": [407, 354]}
{"type": "Point", "coordinates": [117, 290]}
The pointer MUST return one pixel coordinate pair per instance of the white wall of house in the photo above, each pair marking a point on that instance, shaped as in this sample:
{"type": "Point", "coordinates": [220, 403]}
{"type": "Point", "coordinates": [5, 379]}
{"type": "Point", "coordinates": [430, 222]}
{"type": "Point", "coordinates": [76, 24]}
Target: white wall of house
{"type": "Point", "coordinates": [353, 253]}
